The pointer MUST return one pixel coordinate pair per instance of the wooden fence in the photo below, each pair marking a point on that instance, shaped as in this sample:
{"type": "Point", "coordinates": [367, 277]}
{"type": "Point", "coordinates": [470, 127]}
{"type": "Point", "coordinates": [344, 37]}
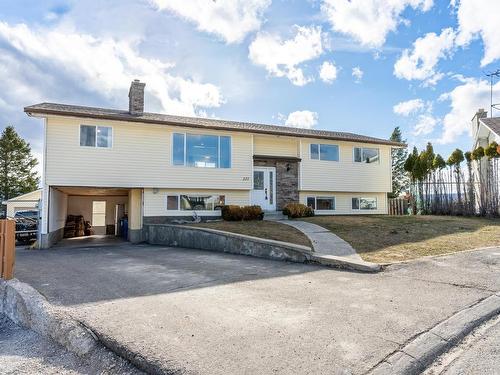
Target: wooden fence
{"type": "Point", "coordinates": [7, 248]}
{"type": "Point", "coordinates": [398, 206]}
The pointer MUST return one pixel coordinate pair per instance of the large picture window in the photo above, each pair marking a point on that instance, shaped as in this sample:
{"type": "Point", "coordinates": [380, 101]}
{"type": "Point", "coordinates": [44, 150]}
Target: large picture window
{"type": "Point", "coordinates": [96, 136]}
{"type": "Point", "coordinates": [321, 203]}
{"type": "Point", "coordinates": [324, 152]}
{"type": "Point", "coordinates": [184, 202]}
{"type": "Point", "coordinates": [202, 151]}
{"type": "Point", "coordinates": [366, 155]}
{"type": "Point", "coordinates": [364, 203]}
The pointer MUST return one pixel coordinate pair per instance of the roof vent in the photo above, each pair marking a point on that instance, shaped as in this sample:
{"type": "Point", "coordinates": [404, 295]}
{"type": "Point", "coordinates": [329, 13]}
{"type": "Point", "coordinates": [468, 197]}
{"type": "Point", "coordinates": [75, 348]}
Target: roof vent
{"type": "Point", "coordinates": [136, 98]}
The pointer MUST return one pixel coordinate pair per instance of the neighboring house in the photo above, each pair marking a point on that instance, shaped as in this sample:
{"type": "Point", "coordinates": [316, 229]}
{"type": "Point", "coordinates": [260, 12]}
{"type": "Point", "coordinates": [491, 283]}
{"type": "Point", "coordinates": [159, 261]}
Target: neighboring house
{"type": "Point", "coordinates": [485, 130]}
{"type": "Point", "coordinates": [102, 163]}
{"type": "Point", "coordinates": [28, 201]}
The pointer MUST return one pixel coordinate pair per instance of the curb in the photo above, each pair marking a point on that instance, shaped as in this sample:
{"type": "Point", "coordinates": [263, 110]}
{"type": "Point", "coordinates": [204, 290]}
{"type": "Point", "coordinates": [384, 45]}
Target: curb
{"type": "Point", "coordinates": [416, 355]}
{"type": "Point", "coordinates": [346, 263]}
{"type": "Point", "coordinates": [26, 307]}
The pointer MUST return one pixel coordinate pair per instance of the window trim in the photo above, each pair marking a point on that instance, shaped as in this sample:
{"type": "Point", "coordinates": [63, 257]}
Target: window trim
{"type": "Point", "coordinates": [319, 152]}
{"type": "Point", "coordinates": [359, 203]}
{"type": "Point", "coordinates": [179, 210]}
{"type": "Point", "coordinates": [97, 126]}
{"type": "Point", "coordinates": [362, 148]}
{"type": "Point", "coordinates": [185, 134]}
{"type": "Point", "coordinates": [316, 197]}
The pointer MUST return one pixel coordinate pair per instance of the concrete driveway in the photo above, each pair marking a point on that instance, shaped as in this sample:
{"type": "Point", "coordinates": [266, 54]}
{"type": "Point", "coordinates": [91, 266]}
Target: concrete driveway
{"type": "Point", "coordinates": [215, 313]}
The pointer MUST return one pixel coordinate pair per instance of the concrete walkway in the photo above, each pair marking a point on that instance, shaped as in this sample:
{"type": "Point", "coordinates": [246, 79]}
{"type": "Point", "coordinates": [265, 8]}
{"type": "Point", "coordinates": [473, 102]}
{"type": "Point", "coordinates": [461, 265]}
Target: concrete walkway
{"type": "Point", "coordinates": [324, 241]}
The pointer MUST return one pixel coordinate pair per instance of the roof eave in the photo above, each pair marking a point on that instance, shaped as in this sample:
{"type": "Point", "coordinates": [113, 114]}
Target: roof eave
{"type": "Point", "coordinates": [30, 110]}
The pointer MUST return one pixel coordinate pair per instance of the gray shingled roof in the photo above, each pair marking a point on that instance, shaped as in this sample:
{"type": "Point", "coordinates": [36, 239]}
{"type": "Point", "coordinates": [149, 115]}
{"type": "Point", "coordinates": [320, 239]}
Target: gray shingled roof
{"type": "Point", "coordinates": [198, 122]}
{"type": "Point", "coordinates": [493, 123]}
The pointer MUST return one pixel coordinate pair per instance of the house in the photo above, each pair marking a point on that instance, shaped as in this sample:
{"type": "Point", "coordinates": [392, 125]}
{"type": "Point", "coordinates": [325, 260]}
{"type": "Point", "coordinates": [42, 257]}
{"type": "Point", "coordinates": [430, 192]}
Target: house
{"type": "Point", "coordinates": [485, 129]}
{"type": "Point", "coordinates": [106, 163]}
{"type": "Point", "coordinates": [24, 202]}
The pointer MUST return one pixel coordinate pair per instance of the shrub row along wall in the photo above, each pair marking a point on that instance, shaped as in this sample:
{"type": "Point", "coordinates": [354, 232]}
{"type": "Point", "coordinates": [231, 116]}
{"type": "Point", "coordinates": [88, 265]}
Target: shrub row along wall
{"type": "Point", "coordinates": [214, 240]}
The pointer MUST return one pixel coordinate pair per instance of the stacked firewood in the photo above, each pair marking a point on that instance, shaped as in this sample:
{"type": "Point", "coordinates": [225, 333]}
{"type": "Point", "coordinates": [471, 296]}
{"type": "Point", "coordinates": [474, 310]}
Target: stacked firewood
{"type": "Point", "coordinates": [75, 226]}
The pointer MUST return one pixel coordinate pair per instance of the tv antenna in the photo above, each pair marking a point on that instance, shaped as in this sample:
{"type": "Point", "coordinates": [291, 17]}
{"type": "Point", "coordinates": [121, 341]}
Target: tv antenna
{"type": "Point", "coordinates": [496, 74]}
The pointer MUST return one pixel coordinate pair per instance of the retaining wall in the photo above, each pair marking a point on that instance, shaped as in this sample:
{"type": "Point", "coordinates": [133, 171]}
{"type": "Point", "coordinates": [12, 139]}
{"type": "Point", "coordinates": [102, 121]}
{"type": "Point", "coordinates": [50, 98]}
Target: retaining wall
{"type": "Point", "coordinates": [214, 240]}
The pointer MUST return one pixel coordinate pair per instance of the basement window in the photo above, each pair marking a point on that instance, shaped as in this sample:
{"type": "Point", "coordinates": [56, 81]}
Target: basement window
{"type": "Point", "coordinates": [321, 203]}
{"type": "Point", "coordinates": [184, 202]}
{"type": "Point", "coordinates": [364, 203]}
{"type": "Point", "coordinates": [96, 136]}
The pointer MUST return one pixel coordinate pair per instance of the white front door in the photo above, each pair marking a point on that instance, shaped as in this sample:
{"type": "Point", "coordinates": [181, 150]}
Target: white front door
{"type": "Point", "coordinates": [264, 188]}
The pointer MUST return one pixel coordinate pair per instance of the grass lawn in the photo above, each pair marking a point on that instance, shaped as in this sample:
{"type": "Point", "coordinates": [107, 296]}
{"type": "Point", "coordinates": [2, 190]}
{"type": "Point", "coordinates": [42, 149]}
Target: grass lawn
{"type": "Point", "coordinates": [262, 229]}
{"type": "Point", "coordinates": [385, 239]}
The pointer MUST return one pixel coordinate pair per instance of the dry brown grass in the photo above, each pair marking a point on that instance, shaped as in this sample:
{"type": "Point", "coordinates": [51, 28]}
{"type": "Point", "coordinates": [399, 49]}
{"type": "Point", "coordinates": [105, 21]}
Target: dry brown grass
{"type": "Point", "coordinates": [386, 239]}
{"type": "Point", "coordinates": [263, 229]}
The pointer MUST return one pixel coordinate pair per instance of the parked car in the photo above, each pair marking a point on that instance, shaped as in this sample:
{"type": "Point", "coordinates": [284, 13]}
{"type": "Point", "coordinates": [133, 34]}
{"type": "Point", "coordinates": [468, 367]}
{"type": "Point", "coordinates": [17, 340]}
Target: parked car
{"type": "Point", "coordinates": [26, 225]}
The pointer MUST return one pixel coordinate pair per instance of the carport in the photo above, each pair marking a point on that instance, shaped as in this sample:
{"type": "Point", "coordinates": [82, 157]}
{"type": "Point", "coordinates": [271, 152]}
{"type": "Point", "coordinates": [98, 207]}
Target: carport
{"type": "Point", "coordinates": [78, 212]}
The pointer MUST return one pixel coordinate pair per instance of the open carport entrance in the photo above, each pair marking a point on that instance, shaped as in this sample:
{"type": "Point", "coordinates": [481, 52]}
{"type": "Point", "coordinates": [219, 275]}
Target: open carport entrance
{"type": "Point", "coordinates": [83, 212]}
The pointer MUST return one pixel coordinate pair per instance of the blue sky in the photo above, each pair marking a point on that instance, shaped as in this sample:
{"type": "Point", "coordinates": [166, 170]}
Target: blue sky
{"type": "Point", "coordinates": [361, 66]}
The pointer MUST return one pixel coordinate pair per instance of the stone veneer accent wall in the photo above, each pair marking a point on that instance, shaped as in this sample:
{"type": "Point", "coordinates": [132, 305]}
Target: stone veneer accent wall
{"type": "Point", "coordinates": [287, 181]}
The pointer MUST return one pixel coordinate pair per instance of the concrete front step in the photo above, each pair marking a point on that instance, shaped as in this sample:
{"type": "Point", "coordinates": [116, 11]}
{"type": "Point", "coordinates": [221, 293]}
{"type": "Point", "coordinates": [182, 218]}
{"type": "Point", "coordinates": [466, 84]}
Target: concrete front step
{"type": "Point", "coordinates": [274, 216]}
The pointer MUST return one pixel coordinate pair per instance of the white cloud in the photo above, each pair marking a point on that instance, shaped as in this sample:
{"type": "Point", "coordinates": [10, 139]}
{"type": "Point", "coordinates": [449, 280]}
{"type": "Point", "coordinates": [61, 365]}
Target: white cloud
{"type": "Point", "coordinates": [282, 57]}
{"type": "Point", "coordinates": [425, 125]}
{"type": "Point", "coordinates": [302, 119]}
{"type": "Point", "coordinates": [420, 63]}
{"type": "Point", "coordinates": [231, 20]}
{"type": "Point", "coordinates": [44, 64]}
{"type": "Point", "coordinates": [357, 73]}
{"type": "Point", "coordinates": [369, 21]}
{"type": "Point", "coordinates": [328, 72]}
{"type": "Point", "coordinates": [465, 100]}
{"type": "Point", "coordinates": [480, 18]}
{"type": "Point", "coordinates": [408, 107]}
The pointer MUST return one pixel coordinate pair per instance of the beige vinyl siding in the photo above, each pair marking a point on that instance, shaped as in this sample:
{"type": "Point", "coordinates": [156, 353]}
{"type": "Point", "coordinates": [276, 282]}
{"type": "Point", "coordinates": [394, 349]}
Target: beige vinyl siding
{"type": "Point", "coordinates": [140, 157]}
{"type": "Point", "coordinates": [343, 202]}
{"type": "Point", "coordinates": [276, 146]}
{"type": "Point", "coordinates": [345, 175]}
{"type": "Point", "coordinates": [155, 201]}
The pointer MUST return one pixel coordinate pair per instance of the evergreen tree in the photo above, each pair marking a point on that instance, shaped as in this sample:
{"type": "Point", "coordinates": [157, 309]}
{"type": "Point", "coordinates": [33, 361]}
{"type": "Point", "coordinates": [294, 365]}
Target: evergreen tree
{"type": "Point", "coordinates": [400, 180]}
{"type": "Point", "coordinates": [17, 165]}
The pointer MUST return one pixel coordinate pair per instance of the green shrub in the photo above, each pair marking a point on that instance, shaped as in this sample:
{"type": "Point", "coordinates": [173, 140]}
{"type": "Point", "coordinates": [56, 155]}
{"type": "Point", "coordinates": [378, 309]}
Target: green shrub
{"type": "Point", "coordinates": [296, 210]}
{"type": "Point", "coordinates": [238, 213]}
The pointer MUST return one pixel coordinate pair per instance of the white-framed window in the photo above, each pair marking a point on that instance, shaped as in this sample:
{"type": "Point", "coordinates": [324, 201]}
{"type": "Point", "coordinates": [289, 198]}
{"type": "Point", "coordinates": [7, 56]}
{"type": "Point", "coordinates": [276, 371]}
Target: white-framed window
{"type": "Point", "coordinates": [201, 150]}
{"type": "Point", "coordinates": [98, 213]}
{"type": "Point", "coordinates": [366, 155]}
{"type": "Point", "coordinates": [321, 203]}
{"type": "Point", "coordinates": [324, 152]}
{"type": "Point", "coordinates": [96, 136]}
{"type": "Point", "coordinates": [195, 202]}
{"type": "Point", "coordinates": [359, 203]}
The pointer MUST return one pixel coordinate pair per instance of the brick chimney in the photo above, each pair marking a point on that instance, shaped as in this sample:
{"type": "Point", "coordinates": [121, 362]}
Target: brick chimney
{"type": "Point", "coordinates": [136, 98]}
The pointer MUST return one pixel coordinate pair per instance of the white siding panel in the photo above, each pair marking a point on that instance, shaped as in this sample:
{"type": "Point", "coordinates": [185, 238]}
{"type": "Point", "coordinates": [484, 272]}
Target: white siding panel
{"type": "Point", "coordinates": [276, 146]}
{"type": "Point", "coordinates": [346, 175]}
{"type": "Point", "coordinates": [140, 157]}
{"type": "Point", "coordinates": [155, 203]}
{"type": "Point", "coordinates": [343, 202]}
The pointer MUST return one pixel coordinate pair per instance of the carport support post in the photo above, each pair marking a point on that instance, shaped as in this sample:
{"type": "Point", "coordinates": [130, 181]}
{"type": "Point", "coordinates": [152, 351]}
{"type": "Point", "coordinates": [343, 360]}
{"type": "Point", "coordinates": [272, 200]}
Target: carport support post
{"type": "Point", "coordinates": [135, 216]}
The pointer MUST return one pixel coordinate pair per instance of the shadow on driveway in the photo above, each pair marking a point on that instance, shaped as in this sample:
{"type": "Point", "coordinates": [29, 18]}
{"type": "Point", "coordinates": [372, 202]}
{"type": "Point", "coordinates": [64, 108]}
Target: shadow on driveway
{"type": "Point", "coordinates": [69, 276]}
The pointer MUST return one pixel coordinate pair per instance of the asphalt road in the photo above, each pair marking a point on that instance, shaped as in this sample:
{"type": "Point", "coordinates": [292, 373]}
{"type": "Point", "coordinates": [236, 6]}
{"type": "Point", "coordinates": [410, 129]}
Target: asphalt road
{"type": "Point", "coordinates": [23, 351]}
{"type": "Point", "coordinates": [215, 313]}
{"type": "Point", "coordinates": [478, 353]}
